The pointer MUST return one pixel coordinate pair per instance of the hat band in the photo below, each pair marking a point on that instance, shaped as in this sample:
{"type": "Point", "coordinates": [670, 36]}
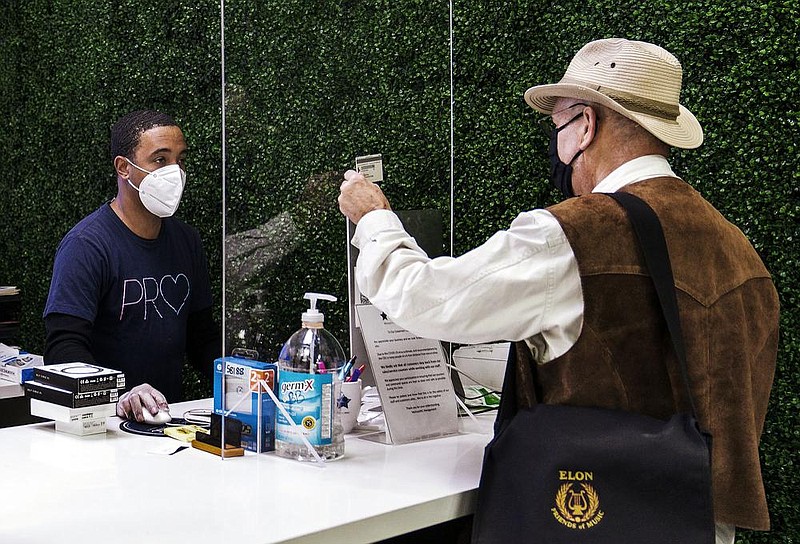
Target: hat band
{"type": "Point", "coordinates": [633, 103]}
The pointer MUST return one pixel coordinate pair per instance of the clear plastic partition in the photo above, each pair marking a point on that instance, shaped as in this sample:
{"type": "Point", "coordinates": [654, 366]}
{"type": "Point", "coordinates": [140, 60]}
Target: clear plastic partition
{"type": "Point", "coordinates": [308, 87]}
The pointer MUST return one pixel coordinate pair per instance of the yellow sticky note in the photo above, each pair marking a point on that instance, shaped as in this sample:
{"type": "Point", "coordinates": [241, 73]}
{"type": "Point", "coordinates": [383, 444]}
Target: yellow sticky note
{"type": "Point", "coordinates": [184, 433]}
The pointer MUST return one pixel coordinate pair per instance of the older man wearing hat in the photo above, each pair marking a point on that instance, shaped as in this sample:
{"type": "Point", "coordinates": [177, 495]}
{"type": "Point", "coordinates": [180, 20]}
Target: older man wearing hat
{"type": "Point", "coordinates": [566, 283]}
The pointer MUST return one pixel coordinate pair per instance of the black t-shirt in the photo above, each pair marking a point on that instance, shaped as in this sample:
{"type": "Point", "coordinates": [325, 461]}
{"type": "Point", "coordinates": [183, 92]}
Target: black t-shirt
{"type": "Point", "coordinates": [137, 293]}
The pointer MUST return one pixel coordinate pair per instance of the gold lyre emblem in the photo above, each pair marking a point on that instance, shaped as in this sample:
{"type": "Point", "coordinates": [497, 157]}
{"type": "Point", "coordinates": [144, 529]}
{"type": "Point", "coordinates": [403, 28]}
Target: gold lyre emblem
{"type": "Point", "coordinates": [577, 506]}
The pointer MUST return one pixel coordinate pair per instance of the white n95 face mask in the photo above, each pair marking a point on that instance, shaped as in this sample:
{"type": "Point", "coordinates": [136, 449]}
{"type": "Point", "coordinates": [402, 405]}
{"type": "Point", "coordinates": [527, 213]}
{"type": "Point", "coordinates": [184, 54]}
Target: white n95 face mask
{"type": "Point", "coordinates": [161, 190]}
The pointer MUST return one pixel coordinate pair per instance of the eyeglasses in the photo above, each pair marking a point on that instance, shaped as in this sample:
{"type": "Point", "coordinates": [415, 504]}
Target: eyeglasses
{"type": "Point", "coordinates": [546, 122]}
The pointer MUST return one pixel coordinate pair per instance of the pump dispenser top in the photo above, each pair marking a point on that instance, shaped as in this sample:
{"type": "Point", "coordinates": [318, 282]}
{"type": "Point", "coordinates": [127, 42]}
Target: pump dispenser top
{"type": "Point", "coordinates": [312, 315]}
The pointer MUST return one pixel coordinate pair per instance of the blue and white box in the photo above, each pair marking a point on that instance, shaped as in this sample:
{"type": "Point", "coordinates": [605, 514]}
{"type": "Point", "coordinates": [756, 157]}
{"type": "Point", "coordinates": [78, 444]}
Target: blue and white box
{"type": "Point", "coordinates": [17, 366]}
{"type": "Point", "coordinates": [239, 379]}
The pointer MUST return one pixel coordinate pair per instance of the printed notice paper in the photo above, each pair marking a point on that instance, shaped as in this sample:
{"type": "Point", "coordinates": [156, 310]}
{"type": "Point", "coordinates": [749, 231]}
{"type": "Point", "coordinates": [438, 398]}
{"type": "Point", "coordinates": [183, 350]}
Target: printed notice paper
{"type": "Point", "coordinates": [412, 378]}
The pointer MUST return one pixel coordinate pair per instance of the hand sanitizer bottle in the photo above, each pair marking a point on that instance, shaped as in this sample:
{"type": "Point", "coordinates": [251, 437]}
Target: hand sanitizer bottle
{"type": "Point", "coordinates": [309, 384]}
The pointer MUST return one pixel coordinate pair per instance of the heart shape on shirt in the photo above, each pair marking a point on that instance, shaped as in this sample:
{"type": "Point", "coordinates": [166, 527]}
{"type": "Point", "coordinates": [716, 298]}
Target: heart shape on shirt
{"type": "Point", "coordinates": [175, 291]}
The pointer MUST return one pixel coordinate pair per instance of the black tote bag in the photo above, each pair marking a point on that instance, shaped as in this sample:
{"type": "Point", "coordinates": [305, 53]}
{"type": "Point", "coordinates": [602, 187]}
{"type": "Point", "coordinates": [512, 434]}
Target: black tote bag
{"type": "Point", "coordinates": [564, 474]}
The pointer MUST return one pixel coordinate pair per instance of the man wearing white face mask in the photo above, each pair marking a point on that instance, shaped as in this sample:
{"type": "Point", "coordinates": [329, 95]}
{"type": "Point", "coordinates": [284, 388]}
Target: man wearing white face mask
{"type": "Point", "coordinates": [130, 287]}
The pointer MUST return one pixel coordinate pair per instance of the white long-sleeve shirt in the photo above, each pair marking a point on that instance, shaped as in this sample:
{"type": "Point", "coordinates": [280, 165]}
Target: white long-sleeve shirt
{"type": "Point", "coordinates": [522, 284]}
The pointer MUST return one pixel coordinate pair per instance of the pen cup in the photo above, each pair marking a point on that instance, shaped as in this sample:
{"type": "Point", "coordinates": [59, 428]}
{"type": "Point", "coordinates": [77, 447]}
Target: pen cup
{"type": "Point", "coordinates": [349, 404]}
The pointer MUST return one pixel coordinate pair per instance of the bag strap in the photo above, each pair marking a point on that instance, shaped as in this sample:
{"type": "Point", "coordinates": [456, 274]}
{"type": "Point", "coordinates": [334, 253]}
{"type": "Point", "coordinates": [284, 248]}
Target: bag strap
{"type": "Point", "coordinates": [650, 235]}
{"type": "Point", "coordinates": [656, 256]}
{"type": "Point", "coordinates": [508, 396]}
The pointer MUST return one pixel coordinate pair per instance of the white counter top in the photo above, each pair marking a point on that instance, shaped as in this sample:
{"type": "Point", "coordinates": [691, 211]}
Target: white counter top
{"type": "Point", "coordinates": [58, 487]}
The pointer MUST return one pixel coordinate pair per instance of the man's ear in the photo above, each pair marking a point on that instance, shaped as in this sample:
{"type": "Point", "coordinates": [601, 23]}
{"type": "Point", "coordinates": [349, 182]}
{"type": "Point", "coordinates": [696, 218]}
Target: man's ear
{"type": "Point", "coordinates": [590, 128]}
{"type": "Point", "coordinates": [121, 165]}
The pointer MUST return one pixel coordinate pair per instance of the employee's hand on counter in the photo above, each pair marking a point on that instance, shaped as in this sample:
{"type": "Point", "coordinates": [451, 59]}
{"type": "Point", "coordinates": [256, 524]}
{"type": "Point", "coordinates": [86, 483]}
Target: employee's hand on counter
{"type": "Point", "coordinates": [357, 196]}
{"type": "Point", "coordinates": [142, 397]}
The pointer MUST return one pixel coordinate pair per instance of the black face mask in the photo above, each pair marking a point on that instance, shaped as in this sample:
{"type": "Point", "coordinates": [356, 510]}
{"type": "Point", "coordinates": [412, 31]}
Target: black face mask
{"type": "Point", "coordinates": [561, 173]}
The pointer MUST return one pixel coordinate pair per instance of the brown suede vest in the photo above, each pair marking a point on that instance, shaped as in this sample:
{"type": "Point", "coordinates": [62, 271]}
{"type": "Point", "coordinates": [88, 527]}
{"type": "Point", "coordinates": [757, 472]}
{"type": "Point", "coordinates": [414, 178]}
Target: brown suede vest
{"type": "Point", "coordinates": [624, 359]}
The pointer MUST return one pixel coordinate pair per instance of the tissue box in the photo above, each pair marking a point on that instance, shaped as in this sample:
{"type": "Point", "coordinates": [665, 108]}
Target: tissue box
{"type": "Point", "coordinates": [239, 379]}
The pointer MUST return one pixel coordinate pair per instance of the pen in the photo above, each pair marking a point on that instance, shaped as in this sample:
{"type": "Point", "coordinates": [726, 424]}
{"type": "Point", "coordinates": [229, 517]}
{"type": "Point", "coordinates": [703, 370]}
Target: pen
{"type": "Point", "coordinates": [346, 368]}
{"type": "Point", "coordinates": [356, 373]}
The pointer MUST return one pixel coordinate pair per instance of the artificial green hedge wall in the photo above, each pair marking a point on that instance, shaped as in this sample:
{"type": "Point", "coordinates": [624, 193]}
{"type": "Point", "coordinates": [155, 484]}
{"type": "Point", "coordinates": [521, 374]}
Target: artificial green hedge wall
{"type": "Point", "coordinates": [311, 84]}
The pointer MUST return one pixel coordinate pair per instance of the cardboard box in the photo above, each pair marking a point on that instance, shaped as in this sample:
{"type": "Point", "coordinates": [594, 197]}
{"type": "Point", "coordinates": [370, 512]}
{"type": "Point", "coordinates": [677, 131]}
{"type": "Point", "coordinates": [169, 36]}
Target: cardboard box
{"type": "Point", "coordinates": [9, 390]}
{"type": "Point", "coordinates": [82, 428]}
{"type": "Point", "coordinates": [239, 379]}
{"type": "Point", "coordinates": [17, 366]}
{"type": "Point", "coordinates": [79, 377]}
{"type": "Point", "coordinates": [57, 412]}
{"type": "Point", "coordinates": [36, 390]}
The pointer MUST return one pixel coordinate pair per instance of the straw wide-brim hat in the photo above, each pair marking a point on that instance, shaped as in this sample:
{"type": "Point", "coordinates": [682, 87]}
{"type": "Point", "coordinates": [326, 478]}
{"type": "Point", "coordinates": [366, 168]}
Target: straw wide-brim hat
{"type": "Point", "coordinates": [639, 80]}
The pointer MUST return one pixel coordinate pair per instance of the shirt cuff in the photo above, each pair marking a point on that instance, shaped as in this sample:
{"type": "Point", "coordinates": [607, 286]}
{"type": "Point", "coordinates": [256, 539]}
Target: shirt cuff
{"type": "Point", "coordinates": [373, 223]}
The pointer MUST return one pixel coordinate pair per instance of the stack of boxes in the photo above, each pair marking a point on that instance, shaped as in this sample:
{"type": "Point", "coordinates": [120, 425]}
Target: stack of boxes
{"type": "Point", "coordinates": [78, 396]}
{"type": "Point", "coordinates": [16, 367]}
